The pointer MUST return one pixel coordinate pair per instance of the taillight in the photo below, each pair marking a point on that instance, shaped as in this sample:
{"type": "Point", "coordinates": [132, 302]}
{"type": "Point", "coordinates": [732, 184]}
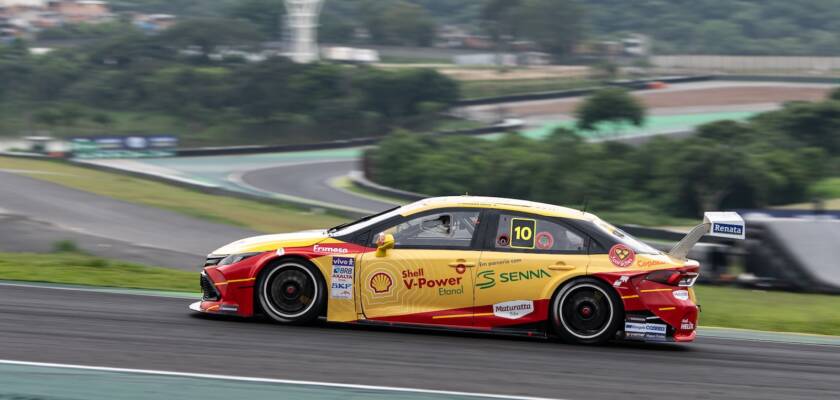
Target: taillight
{"type": "Point", "coordinates": [673, 278]}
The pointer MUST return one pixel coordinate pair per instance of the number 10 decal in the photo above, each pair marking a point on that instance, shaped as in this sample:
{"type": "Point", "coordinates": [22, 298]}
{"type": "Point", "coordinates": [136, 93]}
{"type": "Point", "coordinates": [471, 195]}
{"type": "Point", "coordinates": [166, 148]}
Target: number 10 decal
{"type": "Point", "coordinates": [522, 233]}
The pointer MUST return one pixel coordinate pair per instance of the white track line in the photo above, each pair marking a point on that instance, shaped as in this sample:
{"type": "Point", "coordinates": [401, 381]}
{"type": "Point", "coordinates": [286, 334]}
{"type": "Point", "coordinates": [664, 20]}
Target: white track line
{"type": "Point", "coordinates": [268, 380]}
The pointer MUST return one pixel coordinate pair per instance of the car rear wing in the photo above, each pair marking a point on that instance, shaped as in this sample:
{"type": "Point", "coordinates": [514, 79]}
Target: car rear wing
{"type": "Point", "coordinates": [721, 224]}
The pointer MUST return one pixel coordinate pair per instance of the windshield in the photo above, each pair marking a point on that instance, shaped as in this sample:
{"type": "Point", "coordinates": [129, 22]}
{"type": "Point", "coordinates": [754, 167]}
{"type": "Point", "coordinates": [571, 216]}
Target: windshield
{"type": "Point", "coordinates": [637, 245]}
{"type": "Point", "coordinates": [363, 222]}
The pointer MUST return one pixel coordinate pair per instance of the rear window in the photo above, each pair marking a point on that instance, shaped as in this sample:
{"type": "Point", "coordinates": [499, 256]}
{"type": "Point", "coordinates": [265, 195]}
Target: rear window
{"type": "Point", "coordinates": [537, 234]}
{"type": "Point", "coordinates": [625, 238]}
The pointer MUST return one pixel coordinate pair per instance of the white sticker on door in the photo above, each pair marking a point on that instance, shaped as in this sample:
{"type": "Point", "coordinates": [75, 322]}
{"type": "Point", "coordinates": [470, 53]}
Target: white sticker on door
{"type": "Point", "coordinates": [341, 282]}
{"type": "Point", "coordinates": [513, 309]}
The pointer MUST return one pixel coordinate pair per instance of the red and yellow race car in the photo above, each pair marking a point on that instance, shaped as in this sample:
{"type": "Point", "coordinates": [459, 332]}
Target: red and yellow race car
{"type": "Point", "coordinates": [469, 263]}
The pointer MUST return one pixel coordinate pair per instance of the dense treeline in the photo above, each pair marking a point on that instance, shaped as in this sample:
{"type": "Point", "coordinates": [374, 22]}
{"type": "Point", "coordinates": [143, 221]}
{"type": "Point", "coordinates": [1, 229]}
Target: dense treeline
{"type": "Point", "coordinates": [773, 159]}
{"type": "Point", "coordinates": [776, 27]}
{"type": "Point", "coordinates": [772, 27]}
{"type": "Point", "coordinates": [274, 100]}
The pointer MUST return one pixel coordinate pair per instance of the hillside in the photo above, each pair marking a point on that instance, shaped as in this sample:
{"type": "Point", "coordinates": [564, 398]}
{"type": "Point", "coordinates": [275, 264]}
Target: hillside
{"type": "Point", "coordinates": [777, 27]}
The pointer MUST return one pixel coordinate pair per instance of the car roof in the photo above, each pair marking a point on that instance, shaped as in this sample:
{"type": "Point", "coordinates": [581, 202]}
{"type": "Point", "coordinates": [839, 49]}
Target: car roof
{"type": "Point", "coordinates": [497, 203]}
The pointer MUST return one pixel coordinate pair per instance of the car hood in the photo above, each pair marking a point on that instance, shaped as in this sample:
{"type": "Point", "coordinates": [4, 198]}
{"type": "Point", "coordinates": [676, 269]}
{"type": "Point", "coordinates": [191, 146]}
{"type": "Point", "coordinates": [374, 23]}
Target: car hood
{"type": "Point", "coordinates": [272, 242]}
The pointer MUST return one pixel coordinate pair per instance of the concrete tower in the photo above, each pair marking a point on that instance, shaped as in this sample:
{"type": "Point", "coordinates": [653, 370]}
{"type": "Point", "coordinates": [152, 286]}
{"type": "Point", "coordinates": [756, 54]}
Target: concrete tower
{"type": "Point", "coordinates": [302, 29]}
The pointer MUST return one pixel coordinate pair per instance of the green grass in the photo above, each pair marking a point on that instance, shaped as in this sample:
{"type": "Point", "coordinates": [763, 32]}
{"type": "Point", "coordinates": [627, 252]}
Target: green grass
{"type": "Point", "coordinates": [255, 215]}
{"type": "Point", "coordinates": [81, 269]}
{"type": "Point", "coordinates": [828, 188]}
{"type": "Point", "coordinates": [452, 124]}
{"type": "Point", "coordinates": [769, 310]}
{"type": "Point", "coordinates": [493, 88]}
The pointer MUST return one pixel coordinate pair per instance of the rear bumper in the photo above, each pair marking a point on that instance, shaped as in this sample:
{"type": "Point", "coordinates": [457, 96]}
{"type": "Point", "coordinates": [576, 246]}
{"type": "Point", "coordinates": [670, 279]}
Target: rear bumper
{"type": "Point", "coordinates": [647, 328]}
{"type": "Point", "coordinates": [655, 312]}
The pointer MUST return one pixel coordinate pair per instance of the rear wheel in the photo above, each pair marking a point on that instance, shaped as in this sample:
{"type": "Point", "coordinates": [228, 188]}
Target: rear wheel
{"type": "Point", "coordinates": [587, 311]}
{"type": "Point", "coordinates": [292, 292]}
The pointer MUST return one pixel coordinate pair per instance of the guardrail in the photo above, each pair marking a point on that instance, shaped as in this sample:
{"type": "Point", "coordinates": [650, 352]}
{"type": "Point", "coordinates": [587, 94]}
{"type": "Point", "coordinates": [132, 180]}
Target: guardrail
{"type": "Point", "coordinates": [358, 178]}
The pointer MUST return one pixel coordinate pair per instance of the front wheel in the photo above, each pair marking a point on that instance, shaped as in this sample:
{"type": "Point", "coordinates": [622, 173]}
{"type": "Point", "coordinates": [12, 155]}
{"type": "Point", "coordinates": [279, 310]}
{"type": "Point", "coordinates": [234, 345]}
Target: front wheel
{"type": "Point", "coordinates": [292, 292]}
{"type": "Point", "coordinates": [587, 311]}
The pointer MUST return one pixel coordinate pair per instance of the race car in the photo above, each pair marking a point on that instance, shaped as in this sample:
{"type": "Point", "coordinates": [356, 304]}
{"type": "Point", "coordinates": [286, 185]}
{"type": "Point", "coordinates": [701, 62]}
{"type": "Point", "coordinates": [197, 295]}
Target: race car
{"type": "Point", "coordinates": [469, 263]}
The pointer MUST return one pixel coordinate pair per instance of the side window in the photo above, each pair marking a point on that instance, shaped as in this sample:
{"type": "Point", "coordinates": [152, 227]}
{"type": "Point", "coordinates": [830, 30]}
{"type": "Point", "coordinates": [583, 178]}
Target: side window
{"type": "Point", "coordinates": [446, 229]}
{"type": "Point", "coordinates": [537, 234]}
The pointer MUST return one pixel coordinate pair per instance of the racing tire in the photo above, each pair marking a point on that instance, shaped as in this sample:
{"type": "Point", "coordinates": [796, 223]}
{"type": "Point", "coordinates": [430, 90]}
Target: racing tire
{"type": "Point", "coordinates": [587, 311]}
{"type": "Point", "coordinates": [292, 292]}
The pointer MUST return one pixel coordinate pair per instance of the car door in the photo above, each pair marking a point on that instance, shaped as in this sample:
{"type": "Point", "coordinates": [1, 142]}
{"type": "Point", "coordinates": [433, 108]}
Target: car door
{"type": "Point", "coordinates": [427, 278]}
{"type": "Point", "coordinates": [526, 258]}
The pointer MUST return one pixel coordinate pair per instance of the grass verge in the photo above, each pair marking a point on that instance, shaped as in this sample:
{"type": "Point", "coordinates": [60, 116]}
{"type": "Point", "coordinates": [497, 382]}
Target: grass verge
{"type": "Point", "coordinates": [769, 310]}
{"type": "Point", "coordinates": [81, 269]}
{"type": "Point", "coordinates": [827, 189]}
{"type": "Point", "coordinates": [494, 88]}
{"type": "Point", "coordinates": [723, 307]}
{"type": "Point", "coordinates": [255, 215]}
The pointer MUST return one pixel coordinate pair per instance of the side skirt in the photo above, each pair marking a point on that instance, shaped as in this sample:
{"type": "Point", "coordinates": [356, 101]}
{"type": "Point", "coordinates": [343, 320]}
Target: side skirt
{"type": "Point", "coordinates": [531, 330]}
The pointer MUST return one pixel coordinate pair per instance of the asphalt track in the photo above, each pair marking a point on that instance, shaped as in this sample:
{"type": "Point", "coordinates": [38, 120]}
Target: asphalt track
{"type": "Point", "coordinates": [36, 213]}
{"type": "Point", "coordinates": [312, 181]}
{"type": "Point", "coordinates": [113, 330]}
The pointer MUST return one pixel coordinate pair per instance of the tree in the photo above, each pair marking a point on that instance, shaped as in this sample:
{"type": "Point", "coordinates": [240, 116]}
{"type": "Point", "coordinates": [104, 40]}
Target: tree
{"type": "Point", "coordinates": [556, 25]}
{"type": "Point", "coordinates": [266, 15]}
{"type": "Point", "coordinates": [399, 94]}
{"type": "Point", "coordinates": [398, 23]}
{"type": "Point", "coordinates": [210, 33]}
{"type": "Point", "coordinates": [834, 95]}
{"type": "Point", "coordinates": [52, 74]}
{"type": "Point", "coordinates": [15, 69]}
{"type": "Point", "coordinates": [812, 124]}
{"type": "Point", "coordinates": [500, 21]}
{"type": "Point", "coordinates": [128, 48]}
{"type": "Point", "coordinates": [612, 105]}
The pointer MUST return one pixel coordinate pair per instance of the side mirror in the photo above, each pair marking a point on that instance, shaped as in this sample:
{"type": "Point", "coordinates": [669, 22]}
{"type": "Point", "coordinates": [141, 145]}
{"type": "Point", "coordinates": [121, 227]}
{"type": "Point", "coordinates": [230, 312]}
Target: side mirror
{"type": "Point", "coordinates": [383, 243]}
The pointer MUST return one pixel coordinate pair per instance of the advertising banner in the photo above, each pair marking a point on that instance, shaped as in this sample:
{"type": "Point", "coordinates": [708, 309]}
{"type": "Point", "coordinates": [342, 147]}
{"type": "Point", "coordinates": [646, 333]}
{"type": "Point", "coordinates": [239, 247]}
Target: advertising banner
{"type": "Point", "coordinates": [134, 146]}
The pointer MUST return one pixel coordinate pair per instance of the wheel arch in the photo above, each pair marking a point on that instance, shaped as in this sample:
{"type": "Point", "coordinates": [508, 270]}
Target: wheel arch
{"type": "Point", "coordinates": [556, 287]}
{"type": "Point", "coordinates": [559, 287]}
{"type": "Point", "coordinates": [261, 270]}
{"type": "Point", "coordinates": [575, 279]}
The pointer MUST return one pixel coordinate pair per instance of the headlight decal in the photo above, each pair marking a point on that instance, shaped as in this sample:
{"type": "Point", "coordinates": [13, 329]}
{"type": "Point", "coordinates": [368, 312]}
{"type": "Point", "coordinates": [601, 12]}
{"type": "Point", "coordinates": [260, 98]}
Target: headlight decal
{"type": "Point", "coordinates": [235, 258]}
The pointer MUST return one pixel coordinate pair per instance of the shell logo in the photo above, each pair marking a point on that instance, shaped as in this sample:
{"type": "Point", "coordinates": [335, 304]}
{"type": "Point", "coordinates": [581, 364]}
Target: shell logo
{"type": "Point", "coordinates": [381, 283]}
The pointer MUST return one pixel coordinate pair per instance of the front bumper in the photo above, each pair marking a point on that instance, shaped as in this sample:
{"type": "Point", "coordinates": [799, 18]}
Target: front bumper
{"type": "Point", "coordinates": [214, 307]}
{"type": "Point", "coordinates": [222, 296]}
{"type": "Point", "coordinates": [196, 307]}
